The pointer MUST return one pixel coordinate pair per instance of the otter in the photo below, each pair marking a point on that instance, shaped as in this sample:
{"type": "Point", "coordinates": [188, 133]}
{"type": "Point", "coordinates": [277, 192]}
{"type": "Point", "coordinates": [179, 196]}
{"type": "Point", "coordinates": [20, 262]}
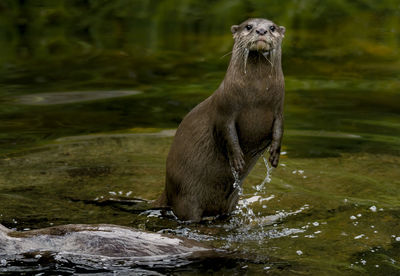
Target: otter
{"type": "Point", "coordinates": [225, 134]}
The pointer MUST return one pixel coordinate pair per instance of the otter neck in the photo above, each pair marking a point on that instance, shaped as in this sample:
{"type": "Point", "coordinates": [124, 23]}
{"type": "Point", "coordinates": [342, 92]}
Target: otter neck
{"type": "Point", "coordinates": [247, 65]}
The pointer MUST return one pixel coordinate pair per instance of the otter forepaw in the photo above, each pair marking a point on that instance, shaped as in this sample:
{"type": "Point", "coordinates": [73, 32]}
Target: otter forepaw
{"type": "Point", "coordinates": [275, 152]}
{"type": "Point", "coordinates": [237, 161]}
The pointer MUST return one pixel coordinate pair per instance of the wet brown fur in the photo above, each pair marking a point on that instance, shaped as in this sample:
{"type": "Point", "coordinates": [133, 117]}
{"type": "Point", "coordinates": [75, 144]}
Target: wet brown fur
{"type": "Point", "coordinates": [230, 129]}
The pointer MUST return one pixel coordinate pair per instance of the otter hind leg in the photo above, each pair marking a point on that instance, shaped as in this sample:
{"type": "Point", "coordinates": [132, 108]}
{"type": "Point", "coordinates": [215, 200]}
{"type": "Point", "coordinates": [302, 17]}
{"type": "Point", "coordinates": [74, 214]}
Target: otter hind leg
{"type": "Point", "coordinates": [188, 210]}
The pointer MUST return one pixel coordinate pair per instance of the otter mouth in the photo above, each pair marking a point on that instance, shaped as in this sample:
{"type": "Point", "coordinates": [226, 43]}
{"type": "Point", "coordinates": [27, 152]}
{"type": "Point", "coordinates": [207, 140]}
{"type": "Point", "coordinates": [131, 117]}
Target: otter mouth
{"type": "Point", "coordinates": [261, 45]}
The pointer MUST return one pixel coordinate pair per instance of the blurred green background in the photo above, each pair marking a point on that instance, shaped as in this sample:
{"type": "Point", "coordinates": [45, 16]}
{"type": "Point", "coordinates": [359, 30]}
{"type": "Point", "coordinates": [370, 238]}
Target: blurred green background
{"type": "Point", "coordinates": [340, 59]}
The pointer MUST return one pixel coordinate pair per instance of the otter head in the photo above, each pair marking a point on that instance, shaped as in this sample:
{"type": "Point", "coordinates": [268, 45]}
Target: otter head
{"type": "Point", "coordinates": [257, 34]}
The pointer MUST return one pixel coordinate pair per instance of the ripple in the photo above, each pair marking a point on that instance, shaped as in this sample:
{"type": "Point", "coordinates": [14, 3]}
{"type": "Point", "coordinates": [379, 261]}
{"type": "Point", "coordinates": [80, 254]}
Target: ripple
{"type": "Point", "coordinates": [72, 97]}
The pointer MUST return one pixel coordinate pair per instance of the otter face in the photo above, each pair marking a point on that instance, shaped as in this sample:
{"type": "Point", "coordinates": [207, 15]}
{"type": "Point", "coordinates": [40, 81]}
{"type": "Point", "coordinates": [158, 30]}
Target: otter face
{"type": "Point", "coordinates": [257, 34]}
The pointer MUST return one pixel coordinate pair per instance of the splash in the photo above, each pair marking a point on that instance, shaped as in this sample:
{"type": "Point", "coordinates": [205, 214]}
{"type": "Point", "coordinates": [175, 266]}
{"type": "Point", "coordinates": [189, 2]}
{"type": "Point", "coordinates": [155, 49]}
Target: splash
{"type": "Point", "coordinates": [261, 188]}
{"type": "Point", "coordinates": [244, 218]}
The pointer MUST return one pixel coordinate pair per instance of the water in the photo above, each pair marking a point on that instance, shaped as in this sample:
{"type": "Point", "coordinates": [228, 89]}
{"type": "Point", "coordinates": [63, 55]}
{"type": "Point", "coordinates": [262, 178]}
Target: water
{"type": "Point", "coordinates": [82, 153]}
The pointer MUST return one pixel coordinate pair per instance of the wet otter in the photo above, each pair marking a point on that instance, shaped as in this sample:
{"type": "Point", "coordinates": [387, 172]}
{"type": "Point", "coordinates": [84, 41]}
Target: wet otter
{"type": "Point", "coordinates": [226, 133]}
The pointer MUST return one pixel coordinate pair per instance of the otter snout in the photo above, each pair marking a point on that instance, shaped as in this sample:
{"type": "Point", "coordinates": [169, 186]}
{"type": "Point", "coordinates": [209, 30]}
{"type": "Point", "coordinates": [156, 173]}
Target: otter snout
{"type": "Point", "coordinates": [261, 31]}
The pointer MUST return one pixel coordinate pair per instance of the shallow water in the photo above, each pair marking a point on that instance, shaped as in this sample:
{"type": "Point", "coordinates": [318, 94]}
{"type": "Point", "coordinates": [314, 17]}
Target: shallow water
{"type": "Point", "coordinates": [90, 156]}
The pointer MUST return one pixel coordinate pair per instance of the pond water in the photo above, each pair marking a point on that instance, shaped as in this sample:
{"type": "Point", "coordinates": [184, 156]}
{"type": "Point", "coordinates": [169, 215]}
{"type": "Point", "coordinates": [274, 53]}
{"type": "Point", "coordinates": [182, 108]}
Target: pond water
{"type": "Point", "coordinates": [91, 92]}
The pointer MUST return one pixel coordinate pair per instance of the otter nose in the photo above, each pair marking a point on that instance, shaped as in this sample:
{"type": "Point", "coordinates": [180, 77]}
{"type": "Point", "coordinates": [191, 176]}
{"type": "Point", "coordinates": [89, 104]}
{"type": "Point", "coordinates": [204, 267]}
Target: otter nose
{"type": "Point", "coordinates": [261, 31]}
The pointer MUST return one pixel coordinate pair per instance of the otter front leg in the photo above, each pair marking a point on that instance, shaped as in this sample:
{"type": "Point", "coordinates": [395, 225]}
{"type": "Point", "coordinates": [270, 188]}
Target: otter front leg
{"type": "Point", "coordinates": [235, 154]}
{"type": "Point", "coordinates": [275, 147]}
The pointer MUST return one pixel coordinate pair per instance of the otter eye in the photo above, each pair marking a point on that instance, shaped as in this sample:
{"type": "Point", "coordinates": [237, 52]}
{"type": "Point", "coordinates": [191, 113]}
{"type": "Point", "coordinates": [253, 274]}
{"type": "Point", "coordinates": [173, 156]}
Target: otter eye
{"type": "Point", "coordinates": [249, 27]}
{"type": "Point", "coordinates": [272, 28]}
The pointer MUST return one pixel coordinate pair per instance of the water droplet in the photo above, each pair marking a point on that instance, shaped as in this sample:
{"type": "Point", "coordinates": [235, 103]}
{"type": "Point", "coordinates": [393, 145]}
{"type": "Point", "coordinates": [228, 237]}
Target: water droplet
{"type": "Point", "coordinates": [363, 262]}
{"type": "Point", "coordinates": [359, 236]}
{"type": "Point", "coordinates": [299, 252]}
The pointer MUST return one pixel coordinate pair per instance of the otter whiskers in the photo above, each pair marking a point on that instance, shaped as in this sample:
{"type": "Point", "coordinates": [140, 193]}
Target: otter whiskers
{"type": "Point", "coordinates": [246, 56]}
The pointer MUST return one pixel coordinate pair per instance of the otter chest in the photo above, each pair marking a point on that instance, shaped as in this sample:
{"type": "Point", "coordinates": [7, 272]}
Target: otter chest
{"type": "Point", "coordinates": [254, 127]}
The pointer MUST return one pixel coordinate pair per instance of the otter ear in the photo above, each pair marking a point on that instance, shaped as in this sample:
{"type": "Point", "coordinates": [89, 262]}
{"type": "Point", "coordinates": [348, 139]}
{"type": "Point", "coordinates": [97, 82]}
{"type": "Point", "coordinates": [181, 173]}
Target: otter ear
{"type": "Point", "coordinates": [283, 30]}
{"type": "Point", "coordinates": [234, 29]}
